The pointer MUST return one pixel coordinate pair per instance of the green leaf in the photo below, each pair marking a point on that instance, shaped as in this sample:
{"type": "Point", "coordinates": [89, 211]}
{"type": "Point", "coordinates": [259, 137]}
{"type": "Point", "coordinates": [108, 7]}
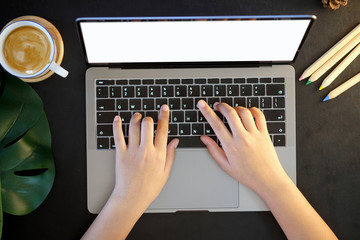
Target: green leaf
{"type": "Point", "coordinates": [27, 168]}
{"type": "Point", "coordinates": [26, 186]}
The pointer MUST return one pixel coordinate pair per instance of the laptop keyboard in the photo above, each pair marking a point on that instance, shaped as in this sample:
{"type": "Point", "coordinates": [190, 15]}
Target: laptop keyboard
{"type": "Point", "coordinates": [124, 97]}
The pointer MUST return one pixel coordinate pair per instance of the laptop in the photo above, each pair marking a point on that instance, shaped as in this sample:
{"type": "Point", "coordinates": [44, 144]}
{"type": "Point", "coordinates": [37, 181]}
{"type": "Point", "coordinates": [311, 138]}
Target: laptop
{"type": "Point", "coordinates": [136, 64]}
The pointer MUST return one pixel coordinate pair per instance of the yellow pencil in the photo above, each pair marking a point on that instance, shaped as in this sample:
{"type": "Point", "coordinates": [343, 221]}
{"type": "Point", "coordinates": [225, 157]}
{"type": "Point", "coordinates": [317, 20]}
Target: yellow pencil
{"type": "Point", "coordinates": [343, 87]}
{"type": "Point", "coordinates": [334, 59]}
{"type": "Point", "coordinates": [336, 72]}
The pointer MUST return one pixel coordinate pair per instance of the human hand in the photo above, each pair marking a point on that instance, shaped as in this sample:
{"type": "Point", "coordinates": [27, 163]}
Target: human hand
{"type": "Point", "coordinates": [247, 153]}
{"type": "Point", "coordinates": [143, 166]}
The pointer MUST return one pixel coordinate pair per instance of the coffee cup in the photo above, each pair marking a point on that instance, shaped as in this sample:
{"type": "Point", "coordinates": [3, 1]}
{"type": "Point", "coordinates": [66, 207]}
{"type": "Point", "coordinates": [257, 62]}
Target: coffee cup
{"type": "Point", "coordinates": [27, 50]}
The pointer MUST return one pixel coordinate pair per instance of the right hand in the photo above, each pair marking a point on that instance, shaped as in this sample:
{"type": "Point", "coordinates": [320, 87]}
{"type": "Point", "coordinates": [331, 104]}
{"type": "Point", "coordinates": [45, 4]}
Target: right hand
{"type": "Point", "coordinates": [247, 153]}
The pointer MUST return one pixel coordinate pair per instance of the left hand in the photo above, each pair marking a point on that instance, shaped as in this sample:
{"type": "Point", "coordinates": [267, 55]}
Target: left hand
{"type": "Point", "coordinates": [143, 166]}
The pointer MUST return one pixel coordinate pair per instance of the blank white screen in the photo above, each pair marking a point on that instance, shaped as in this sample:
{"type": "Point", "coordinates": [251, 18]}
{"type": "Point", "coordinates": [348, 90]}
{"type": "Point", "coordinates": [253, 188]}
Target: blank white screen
{"type": "Point", "coordinates": [192, 41]}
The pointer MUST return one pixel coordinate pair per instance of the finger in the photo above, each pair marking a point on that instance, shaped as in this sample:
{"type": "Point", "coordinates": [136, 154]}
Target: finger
{"type": "Point", "coordinates": [134, 130]}
{"type": "Point", "coordinates": [247, 118]}
{"type": "Point", "coordinates": [118, 133]}
{"type": "Point", "coordinates": [231, 116]}
{"type": "Point", "coordinates": [216, 124]}
{"type": "Point", "coordinates": [216, 152]}
{"type": "Point", "coordinates": [162, 127]}
{"type": "Point", "coordinates": [170, 156]}
{"type": "Point", "coordinates": [147, 132]}
{"type": "Point", "coordinates": [260, 120]}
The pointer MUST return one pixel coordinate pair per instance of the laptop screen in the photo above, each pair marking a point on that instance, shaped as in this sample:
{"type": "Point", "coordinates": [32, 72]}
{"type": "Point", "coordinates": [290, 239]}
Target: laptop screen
{"type": "Point", "coordinates": [193, 40]}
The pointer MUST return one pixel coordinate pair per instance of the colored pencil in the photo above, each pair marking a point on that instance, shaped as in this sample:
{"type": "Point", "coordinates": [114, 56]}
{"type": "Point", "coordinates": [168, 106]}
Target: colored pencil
{"type": "Point", "coordinates": [326, 56]}
{"type": "Point", "coordinates": [334, 59]}
{"type": "Point", "coordinates": [343, 87]}
{"type": "Point", "coordinates": [339, 69]}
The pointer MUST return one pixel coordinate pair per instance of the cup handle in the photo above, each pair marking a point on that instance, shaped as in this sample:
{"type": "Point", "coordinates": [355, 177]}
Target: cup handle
{"type": "Point", "coordinates": [58, 70]}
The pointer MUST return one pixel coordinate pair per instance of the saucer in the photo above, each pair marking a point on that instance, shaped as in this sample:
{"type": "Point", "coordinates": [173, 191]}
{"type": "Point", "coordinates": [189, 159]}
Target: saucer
{"type": "Point", "coordinates": [59, 44]}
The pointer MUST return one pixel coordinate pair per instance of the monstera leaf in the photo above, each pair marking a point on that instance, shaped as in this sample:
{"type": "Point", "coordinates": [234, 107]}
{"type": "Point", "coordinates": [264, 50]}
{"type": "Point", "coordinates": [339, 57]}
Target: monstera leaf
{"type": "Point", "coordinates": [27, 169]}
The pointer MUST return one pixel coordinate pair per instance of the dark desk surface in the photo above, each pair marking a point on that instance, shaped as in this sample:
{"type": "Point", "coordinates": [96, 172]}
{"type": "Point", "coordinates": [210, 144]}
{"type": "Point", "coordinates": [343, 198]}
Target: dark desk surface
{"type": "Point", "coordinates": [328, 134]}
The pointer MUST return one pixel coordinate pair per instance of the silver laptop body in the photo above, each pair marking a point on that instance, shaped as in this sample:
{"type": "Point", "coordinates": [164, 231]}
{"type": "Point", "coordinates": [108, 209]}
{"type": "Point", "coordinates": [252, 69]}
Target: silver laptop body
{"type": "Point", "coordinates": [196, 181]}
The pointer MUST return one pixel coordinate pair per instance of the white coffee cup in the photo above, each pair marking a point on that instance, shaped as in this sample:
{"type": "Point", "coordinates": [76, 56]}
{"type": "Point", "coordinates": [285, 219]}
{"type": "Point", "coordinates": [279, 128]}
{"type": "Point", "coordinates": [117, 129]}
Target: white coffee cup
{"type": "Point", "coordinates": [26, 44]}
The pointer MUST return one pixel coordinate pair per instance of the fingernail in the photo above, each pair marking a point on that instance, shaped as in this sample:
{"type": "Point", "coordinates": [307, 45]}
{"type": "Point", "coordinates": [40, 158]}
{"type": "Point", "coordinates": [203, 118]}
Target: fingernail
{"type": "Point", "coordinates": [177, 143]}
{"type": "Point", "coordinates": [116, 119]}
{"type": "Point", "coordinates": [215, 105]}
{"type": "Point", "coordinates": [165, 107]}
{"type": "Point", "coordinates": [201, 104]}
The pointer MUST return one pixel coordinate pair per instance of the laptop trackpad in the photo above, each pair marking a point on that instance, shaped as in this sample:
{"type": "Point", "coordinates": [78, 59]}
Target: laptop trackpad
{"type": "Point", "coordinates": [197, 182]}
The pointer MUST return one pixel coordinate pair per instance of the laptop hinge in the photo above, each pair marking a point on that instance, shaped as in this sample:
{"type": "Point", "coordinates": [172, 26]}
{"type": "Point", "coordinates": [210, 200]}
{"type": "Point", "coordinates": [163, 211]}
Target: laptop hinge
{"type": "Point", "coordinates": [188, 65]}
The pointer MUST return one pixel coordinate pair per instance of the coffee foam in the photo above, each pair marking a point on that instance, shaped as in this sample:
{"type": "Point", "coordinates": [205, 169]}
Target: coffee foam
{"type": "Point", "coordinates": [27, 50]}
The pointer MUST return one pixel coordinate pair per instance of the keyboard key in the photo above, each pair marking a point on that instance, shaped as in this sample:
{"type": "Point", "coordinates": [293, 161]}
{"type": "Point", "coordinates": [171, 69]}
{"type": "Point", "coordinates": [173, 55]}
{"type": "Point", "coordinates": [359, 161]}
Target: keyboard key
{"type": "Point", "coordinates": [233, 90]}
{"type": "Point", "coordinates": [252, 80]}
{"type": "Point", "coordinates": [239, 101]}
{"type": "Point", "coordinates": [180, 91]}
{"type": "Point", "coordinates": [276, 127]}
{"type": "Point", "coordinates": [279, 140]}
{"type": "Point", "coordinates": [148, 104]}
{"type": "Point", "coordinates": [167, 91]}
{"type": "Point", "coordinates": [190, 142]}
{"type": "Point", "coordinates": [160, 81]}
{"type": "Point", "coordinates": [148, 81]}
{"type": "Point", "coordinates": [274, 115]}
{"type": "Point", "coordinates": [275, 89]}
{"type": "Point", "coordinates": [141, 91]}
{"type": "Point", "coordinates": [105, 117]}
{"type": "Point", "coordinates": [229, 101]}
{"type": "Point", "coordinates": [279, 102]}
{"type": "Point", "coordinates": [104, 130]}
{"type": "Point", "coordinates": [206, 90]}
{"type": "Point", "coordinates": [102, 92]}
{"type": "Point", "coordinates": [105, 104]}
{"type": "Point", "coordinates": [279, 80]}
{"type": "Point", "coordinates": [211, 101]}
{"type": "Point", "coordinates": [259, 90]}
{"type": "Point", "coordinates": [213, 80]}
{"type": "Point", "coordinates": [172, 131]}
{"type": "Point", "coordinates": [128, 92]}
{"type": "Point", "coordinates": [134, 81]}
{"type": "Point", "coordinates": [154, 91]}
{"type": "Point", "coordinates": [201, 117]}
{"type": "Point", "coordinates": [115, 92]}
{"type": "Point", "coordinates": [194, 91]}
{"type": "Point", "coordinates": [103, 143]}
{"type": "Point", "coordinates": [220, 90]}
{"type": "Point", "coordinates": [112, 143]}
{"type": "Point", "coordinates": [187, 103]}
{"type": "Point", "coordinates": [174, 103]}
{"type": "Point", "coordinates": [190, 116]}
{"type": "Point", "coordinates": [208, 129]}
{"type": "Point", "coordinates": [174, 81]}
{"type": "Point", "coordinates": [159, 102]}
{"type": "Point", "coordinates": [125, 117]}
{"type": "Point", "coordinates": [245, 90]}
{"type": "Point", "coordinates": [200, 81]}
{"type": "Point", "coordinates": [177, 116]}
{"type": "Point", "coordinates": [122, 104]}
{"type": "Point", "coordinates": [104, 82]}
{"type": "Point", "coordinates": [265, 80]}
{"type": "Point", "coordinates": [239, 80]}
{"type": "Point", "coordinates": [265, 102]}
{"type": "Point", "coordinates": [226, 80]}
{"type": "Point", "coordinates": [187, 81]}
{"type": "Point", "coordinates": [122, 82]}
{"type": "Point", "coordinates": [184, 129]}
{"type": "Point", "coordinates": [153, 115]}
{"type": "Point", "coordinates": [135, 104]}
{"type": "Point", "coordinates": [252, 102]}
{"type": "Point", "coordinates": [197, 129]}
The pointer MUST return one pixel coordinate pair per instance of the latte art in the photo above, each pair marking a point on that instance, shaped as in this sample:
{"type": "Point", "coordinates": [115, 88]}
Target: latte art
{"type": "Point", "coordinates": [27, 50]}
